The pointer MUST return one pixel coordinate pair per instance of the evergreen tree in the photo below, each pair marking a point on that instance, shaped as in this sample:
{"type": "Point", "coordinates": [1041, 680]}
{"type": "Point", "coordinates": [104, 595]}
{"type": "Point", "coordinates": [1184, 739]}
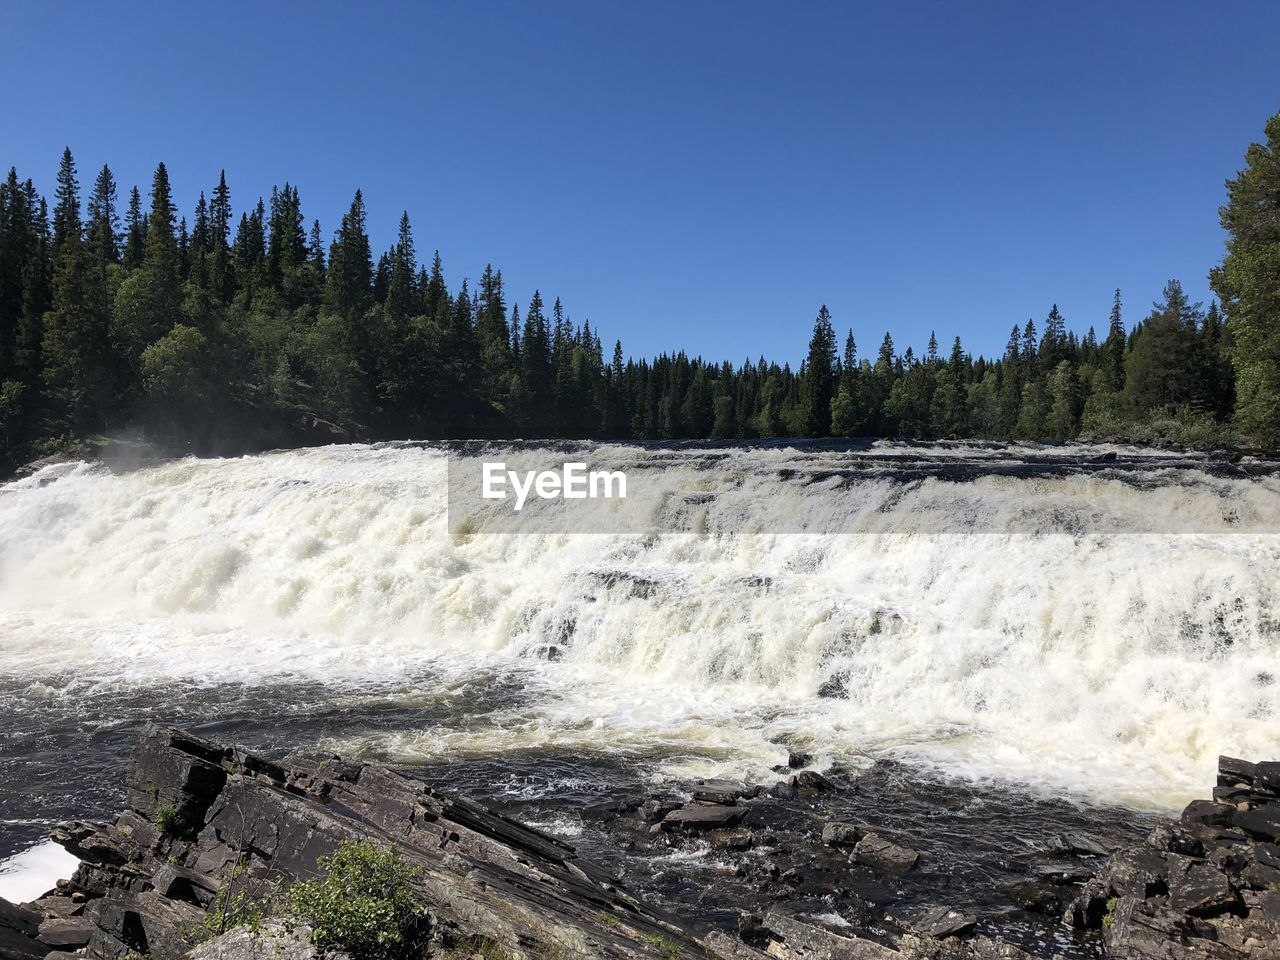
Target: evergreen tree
{"type": "Point", "coordinates": [1248, 283]}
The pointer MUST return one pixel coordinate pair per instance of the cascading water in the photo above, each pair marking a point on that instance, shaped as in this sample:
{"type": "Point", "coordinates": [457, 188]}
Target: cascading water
{"type": "Point", "coordinates": [320, 594]}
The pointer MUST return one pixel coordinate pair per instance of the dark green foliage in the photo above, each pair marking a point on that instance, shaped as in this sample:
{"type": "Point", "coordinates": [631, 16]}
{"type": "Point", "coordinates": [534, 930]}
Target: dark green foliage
{"type": "Point", "coordinates": [243, 325]}
{"type": "Point", "coordinates": [363, 903]}
{"type": "Point", "coordinates": [1248, 281]}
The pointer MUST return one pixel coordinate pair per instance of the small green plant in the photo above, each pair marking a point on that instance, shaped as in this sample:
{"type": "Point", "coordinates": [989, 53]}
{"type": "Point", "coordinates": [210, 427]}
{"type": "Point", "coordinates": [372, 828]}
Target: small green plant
{"type": "Point", "coordinates": [236, 904]}
{"type": "Point", "coordinates": [363, 904]}
{"type": "Point", "coordinates": [670, 949]}
{"type": "Point", "coordinates": [171, 821]}
{"type": "Point", "coordinates": [1109, 918]}
{"type": "Point", "coordinates": [608, 919]}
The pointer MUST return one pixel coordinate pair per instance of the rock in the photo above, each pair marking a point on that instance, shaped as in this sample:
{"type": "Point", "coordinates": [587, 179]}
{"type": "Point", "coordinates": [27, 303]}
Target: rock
{"type": "Point", "coordinates": [35, 466]}
{"type": "Point", "coordinates": [652, 811]}
{"type": "Point", "coordinates": [703, 816]}
{"type": "Point", "coordinates": [720, 791]}
{"type": "Point", "coordinates": [273, 942]}
{"type": "Point", "coordinates": [796, 759]}
{"type": "Point", "coordinates": [1035, 897]}
{"type": "Point", "coordinates": [943, 922]}
{"type": "Point", "coordinates": [737, 840]}
{"type": "Point", "coordinates": [1266, 776]}
{"type": "Point", "coordinates": [1233, 772]}
{"type": "Point", "coordinates": [1263, 821]}
{"type": "Point", "coordinates": [835, 687]}
{"type": "Point", "coordinates": [199, 811]}
{"type": "Point", "coordinates": [886, 857]}
{"type": "Point", "coordinates": [1208, 813]}
{"type": "Point", "coordinates": [795, 939]}
{"type": "Point", "coordinates": [1109, 457]}
{"type": "Point", "coordinates": [1062, 871]}
{"type": "Point", "coordinates": [1264, 907]}
{"type": "Point", "coordinates": [836, 834]}
{"type": "Point", "coordinates": [724, 947]}
{"type": "Point", "coordinates": [810, 781]}
{"type": "Point", "coordinates": [1089, 907]}
{"type": "Point", "coordinates": [18, 928]}
{"type": "Point", "coordinates": [66, 934]}
{"type": "Point", "coordinates": [1078, 844]}
{"type": "Point", "coordinates": [1199, 888]}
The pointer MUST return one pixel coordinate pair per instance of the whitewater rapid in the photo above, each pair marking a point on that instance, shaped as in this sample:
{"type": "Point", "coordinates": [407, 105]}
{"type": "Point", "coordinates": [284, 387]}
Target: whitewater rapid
{"type": "Point", "coordinates": [1062, 655]}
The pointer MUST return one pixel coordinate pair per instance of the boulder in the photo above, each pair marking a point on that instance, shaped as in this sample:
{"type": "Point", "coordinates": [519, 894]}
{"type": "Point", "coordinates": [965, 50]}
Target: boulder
{"type": "Point", "coordinates": [837, 834]}
{"type": "Point", "coordinates": [1198, 887]}
{"type": "Point", "coordinates": [883, 856]}
{"type": "Point", "coordinates": [797, 759]}
{"type": "Point", "coordinates": [698, 817]}
{"type": "Point", "coordinates": [721, 791]}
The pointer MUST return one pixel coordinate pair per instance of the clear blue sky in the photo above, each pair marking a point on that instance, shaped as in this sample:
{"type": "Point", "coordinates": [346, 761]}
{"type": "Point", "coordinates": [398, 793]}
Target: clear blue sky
{"type": "Point", "coordinates": [695, 175]}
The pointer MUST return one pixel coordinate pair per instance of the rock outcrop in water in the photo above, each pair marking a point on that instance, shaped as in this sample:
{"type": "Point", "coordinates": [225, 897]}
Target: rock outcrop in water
{"type": "Point", "coordinates": [1205, 886]}
{"type": "Point", "coordinates": [206, 822]}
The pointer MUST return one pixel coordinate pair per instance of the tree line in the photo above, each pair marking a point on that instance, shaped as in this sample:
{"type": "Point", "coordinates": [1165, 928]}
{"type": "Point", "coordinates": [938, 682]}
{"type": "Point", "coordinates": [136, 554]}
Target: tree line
{"type": "Point", "coordinates": [221, 331]}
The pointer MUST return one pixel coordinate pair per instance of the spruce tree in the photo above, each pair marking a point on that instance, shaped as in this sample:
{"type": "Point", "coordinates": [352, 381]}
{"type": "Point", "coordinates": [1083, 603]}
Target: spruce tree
{"type": "Point", "coordinates": [1248, 283]}
{"type": "Point", "coordinates": [819, 382]}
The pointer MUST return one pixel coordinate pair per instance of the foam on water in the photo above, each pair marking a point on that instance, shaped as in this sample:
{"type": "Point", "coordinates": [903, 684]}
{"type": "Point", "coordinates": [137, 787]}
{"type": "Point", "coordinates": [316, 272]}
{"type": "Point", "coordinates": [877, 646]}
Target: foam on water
{"type": "Point", "coordinates": [1100, 662]}
{"type": "Point", "coordinates": [34, 872]}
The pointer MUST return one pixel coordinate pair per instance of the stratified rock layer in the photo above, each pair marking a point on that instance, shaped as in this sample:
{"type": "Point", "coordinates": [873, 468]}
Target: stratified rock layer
{"type": "Point", "coordinates": [1205, 886]}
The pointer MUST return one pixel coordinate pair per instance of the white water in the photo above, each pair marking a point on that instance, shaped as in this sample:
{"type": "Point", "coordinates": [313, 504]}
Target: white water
{"type": "Point", "coordinates": [34, 872]}
{"type": "Point", "coordinates": [1111, 666]}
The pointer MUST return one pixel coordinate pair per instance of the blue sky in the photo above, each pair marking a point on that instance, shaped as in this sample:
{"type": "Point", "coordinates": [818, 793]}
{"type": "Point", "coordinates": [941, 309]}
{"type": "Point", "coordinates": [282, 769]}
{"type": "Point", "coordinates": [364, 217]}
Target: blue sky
{"type": "Point", "coordinates": [695, 175]}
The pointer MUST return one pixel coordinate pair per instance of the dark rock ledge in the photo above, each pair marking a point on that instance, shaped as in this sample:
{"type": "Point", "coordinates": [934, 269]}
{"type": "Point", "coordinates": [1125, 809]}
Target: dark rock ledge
{"type": "Point", "coordinates": [204, 820]}
{"type": "Point", "coordinates": [1204, 886]}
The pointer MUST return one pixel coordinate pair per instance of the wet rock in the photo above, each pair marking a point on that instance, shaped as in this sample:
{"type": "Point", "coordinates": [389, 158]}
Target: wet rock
{"type": "Point", "coordinates": [834, 688]}
{"type": "Point", "coordinates": [1038, 897]}
{"type": "Point", "coordinates": [737, 840]}
{"type": "Point", "coordinates": [836, 834]}
{"type": "Point", "coordinates": [883, 856]}
{"type": "Point", "coordinates": [1062, 871]}
{"type": "Point", "coordinates": [943, 922]}
{"type": "Point", "coordinates": [810, 781]}
{"type": "Point", "coordinates": [1078, 844]}
{"type": "Point", "coordinates": [698, 817]}
{"type": "Point", "coordinates": [652, 811]}
{"type": "Point", "coordinates": [1090, 906]}
{"type": "Point", "coordinates": [797, 759]}
{"type": "Point", "coordinates": [721, 791]}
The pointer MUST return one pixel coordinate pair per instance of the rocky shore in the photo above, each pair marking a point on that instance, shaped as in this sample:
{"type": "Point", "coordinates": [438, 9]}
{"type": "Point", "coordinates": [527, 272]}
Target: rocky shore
{"type": "Point", "coordinates": [212, 830]}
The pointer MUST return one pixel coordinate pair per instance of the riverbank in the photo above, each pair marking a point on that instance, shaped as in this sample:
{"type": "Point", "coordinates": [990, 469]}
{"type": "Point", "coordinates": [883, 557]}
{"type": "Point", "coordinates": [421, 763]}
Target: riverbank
{"type": "Point", "coordinates": [208, 826]}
